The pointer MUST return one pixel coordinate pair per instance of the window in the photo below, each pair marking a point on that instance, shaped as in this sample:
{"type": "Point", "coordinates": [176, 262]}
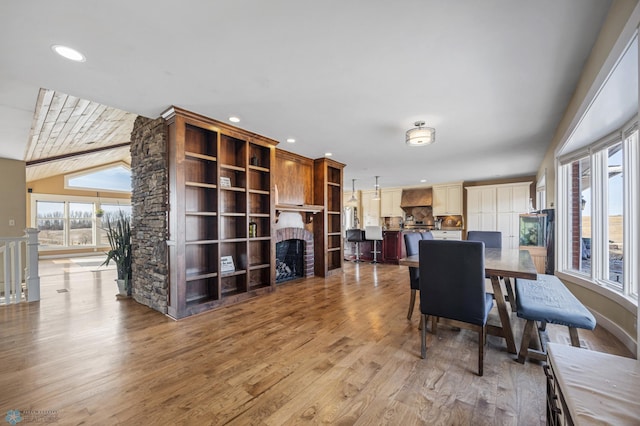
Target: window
{"type": "Point", "coordinates": [614, 214]}
{"type": "Point", "coordinates": [50, 223]}
{"type": "Point", "coordinates": [71, 222]}
{"type": "Point", "coordinates": [110, 210]}
{"type": "Point", "coordinates": [598, 212]}
{"type": "Point", "coordinates": [81, 224]}
{"type": "Point", "coordinates": [113, 178]}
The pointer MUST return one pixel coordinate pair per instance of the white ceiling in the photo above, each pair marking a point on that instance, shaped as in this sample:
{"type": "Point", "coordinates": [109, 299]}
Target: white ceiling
{"type": "Point", "coordinates": [350, 77]}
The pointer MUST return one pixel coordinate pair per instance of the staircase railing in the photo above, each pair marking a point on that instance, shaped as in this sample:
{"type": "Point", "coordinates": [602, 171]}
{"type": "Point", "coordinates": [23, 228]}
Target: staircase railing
{"type": "Point", "coordinates": [20, 284]}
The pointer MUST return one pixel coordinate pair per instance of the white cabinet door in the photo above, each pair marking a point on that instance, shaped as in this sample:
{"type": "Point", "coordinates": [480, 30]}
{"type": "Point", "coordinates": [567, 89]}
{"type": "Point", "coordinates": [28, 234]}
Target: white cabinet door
{"type": "Point", "coordinates": [447, 200]}
{"type": "Point", "coordinates": [370, 209]}
{"type": "Point", "coordinates": [512, 200]}
{"type": "Point", "coordinates": [481, 208]}
{"type": "Point", "coordinates": [390, 203]}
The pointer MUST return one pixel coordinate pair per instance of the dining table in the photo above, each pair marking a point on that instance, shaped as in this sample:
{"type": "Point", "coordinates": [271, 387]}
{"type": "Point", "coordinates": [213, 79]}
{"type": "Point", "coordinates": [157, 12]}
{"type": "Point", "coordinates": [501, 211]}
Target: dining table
{"type": "Point", "coordinates": [501, 265]}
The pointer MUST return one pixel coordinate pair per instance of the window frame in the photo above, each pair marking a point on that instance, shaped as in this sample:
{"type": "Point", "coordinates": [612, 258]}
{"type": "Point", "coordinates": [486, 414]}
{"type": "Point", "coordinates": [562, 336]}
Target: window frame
{"type": "Point", "coordinates": [625, 294]}
{"type": "Point", "coordinates": [66, 200]}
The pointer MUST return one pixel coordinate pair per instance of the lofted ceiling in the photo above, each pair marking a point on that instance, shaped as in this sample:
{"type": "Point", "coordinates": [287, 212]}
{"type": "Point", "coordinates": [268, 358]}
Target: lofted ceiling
{"type": "Point", "coordinates": [493, 77]}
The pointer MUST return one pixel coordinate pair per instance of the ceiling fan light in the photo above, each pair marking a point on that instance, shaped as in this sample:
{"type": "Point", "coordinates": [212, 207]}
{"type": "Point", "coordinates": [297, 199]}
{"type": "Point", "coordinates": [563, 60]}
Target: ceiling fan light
{"type": "Point", "coordinates": [420, 135]}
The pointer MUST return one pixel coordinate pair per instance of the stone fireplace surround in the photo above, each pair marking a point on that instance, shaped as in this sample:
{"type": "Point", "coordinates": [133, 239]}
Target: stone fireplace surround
{"type": "Point", "coordinates": [283, 234]}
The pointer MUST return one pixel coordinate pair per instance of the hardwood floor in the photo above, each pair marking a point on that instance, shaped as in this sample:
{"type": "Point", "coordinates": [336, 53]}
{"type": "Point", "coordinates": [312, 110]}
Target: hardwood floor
{"type": "Point", "coordinates": [337, 351]}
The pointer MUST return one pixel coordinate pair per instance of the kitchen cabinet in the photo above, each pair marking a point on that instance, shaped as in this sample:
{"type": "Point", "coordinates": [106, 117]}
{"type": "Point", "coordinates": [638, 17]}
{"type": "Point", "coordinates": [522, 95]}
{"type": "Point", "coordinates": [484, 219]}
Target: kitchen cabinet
{"type": "Point", "coordinates": [498, 208]}
{"type": "Point", "coordinates": [392, 246]}
{"type": "Point", "coordinates": [447, 200]}
{"type": "Point", "coordinates": [446, 234]}
{"type": "Point", "coordinates": [370, 209]}
{"type": "Point", "coordinates": [481, 208]}
{"type": "Point", "coordinates": [511, 201]}
{"type": "Point", "coordinates": [390, 203]}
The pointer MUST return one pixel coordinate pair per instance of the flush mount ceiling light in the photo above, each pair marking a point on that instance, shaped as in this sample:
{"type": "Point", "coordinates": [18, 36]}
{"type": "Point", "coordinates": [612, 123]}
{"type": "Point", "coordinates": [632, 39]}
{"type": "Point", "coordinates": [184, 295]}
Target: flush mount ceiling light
{"type": "Point", "coordinates": [68, 52]}
{"type": "Point", "coordinates": [234, 119]}
{"type": "Point", "coordinates": [291, 140]}
{"type": "Point", "coordinates": [420, 135]}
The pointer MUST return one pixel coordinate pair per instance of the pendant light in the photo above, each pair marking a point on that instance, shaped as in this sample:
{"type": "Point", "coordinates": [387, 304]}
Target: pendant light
{"type": "Point", "coordinates": [353, 198]}
{"type": "Point", "coordinates": [377, 195]}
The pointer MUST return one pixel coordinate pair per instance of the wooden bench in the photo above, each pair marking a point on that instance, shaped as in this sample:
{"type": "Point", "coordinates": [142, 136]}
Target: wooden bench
{"type": "Point", "coordinates": [547, 300]}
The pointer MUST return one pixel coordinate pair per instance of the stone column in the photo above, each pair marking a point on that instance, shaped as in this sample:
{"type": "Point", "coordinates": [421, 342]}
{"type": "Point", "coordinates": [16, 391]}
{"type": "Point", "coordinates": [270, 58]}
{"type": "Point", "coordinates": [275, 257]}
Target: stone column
{"type": "Point", "coordinates": [149, 174]}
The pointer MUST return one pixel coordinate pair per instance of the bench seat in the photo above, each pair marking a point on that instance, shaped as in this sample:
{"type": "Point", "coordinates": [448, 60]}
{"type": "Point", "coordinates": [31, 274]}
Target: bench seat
{"type": "Point", "coordinates": [547, 300]}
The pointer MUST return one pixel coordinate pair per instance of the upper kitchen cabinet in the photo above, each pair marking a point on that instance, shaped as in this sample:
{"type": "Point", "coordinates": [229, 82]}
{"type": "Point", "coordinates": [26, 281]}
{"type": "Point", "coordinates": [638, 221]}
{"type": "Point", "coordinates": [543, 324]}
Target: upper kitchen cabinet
{"type": "Point", "coordinates": [447, 200]}
{"type": "Point", "coordinates": [390, 203]}
{"type": "Point", "coordinates": [370, 209]}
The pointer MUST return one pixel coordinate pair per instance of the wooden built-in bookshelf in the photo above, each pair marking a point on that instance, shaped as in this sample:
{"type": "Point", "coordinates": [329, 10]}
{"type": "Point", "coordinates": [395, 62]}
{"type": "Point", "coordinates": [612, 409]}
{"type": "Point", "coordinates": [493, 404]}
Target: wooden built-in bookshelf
{"type": "Point", "coordinates": [220, 182]}
{"type": "Point", "coordinates": [327, 228]}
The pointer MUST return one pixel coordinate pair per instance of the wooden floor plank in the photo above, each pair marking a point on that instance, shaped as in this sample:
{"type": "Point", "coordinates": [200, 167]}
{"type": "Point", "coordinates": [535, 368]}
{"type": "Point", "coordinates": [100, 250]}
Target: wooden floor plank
{"type": "Point", "coordinates": [337, 350]}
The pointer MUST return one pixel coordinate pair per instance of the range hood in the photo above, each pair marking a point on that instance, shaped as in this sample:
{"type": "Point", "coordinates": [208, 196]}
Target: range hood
{"type": "Point", "coordinates": [416, 197]}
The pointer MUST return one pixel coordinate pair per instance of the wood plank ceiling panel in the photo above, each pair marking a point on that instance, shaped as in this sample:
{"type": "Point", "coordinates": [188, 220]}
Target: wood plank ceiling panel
{"type": "Point", "coordinates": [64, 125]}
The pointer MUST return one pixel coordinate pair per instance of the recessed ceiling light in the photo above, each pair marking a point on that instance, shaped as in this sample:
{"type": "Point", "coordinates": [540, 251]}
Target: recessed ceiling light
{"type": "Point", "coordinates": [423, 180]}
{"type": "Point", "coordinates": [234, 119]}
{"type": "Point", "coordinates": [291, 140]}
{"type": "Point", "coordinates": [328, 154]}
{"type": "Point", "coordinates": [68, 52]}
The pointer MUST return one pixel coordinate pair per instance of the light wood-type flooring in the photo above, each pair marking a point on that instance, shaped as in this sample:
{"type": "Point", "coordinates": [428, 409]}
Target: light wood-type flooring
{"type": "Point", "coordinates": [334, 351]}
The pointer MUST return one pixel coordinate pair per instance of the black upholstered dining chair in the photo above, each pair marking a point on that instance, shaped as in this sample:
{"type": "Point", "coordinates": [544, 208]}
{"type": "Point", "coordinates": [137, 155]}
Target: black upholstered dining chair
{"type": "Point", "coordinates": [491, 239]}
{"type": "Point", "coordinates": [411, 240]}
{"type": "Point", "coordinates": [452, 288]}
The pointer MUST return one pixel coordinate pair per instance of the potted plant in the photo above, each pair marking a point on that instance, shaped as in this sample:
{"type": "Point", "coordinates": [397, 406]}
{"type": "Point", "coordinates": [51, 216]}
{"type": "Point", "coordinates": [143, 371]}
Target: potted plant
{"type": "Point", "coordinates": [99, 212]}
{"type": "Point", "coordinates": [119, 235]}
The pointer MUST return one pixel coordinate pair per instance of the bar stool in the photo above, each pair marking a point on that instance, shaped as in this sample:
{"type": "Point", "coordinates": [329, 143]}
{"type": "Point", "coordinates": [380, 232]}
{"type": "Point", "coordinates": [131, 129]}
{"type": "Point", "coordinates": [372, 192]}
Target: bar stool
{"type": "Point", "coordinates": [356, 236]}
{"type": "Point", "coordinates": [373, 233]}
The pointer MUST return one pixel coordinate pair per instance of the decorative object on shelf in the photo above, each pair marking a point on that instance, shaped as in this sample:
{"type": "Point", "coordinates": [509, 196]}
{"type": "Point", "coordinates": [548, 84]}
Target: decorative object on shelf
{"type": "Point", "coordinates": [420, 135]}
{"type": "Point", "coordinates": [225, 182]}
{"type": "Point", "coordinates": [254, 160]}
{"type": "Point", "coordinates": [377, 186]}
{"type": "Point", "coordinates": [253, 229]}
{"type": "Point", "coordinates": [226, 264]}
{"type": "Point", "coordinates": [119, 235]}
{"type": "Point", "coordinates": [353, 198]}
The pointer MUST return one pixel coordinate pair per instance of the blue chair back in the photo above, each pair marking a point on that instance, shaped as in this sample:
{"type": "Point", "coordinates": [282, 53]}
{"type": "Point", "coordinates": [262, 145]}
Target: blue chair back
{"type": "Point", "coordinates": [491, 239]}
{"type": "Point", "coordinates": [411, 241]}
{"type": "Point", "coordinates": [452, 282]}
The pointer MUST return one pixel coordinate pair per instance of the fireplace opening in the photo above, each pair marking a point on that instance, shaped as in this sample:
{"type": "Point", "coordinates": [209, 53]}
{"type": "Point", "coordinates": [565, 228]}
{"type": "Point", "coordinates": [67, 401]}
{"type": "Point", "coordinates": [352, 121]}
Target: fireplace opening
{"type": "Point", "coordinates": [289, 260]}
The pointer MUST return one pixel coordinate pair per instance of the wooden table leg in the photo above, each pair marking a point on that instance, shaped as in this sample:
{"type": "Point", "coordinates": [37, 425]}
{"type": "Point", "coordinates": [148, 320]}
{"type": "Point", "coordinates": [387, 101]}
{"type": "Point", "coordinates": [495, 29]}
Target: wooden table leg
{"type": "Point", "coordinates": [510, 293]}
{"type": "Point", "coordinates": [507, 331]}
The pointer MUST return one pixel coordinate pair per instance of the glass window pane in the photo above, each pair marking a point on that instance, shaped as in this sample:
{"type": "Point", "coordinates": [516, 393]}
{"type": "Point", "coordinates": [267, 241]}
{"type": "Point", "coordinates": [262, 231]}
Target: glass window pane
{"type": "Point", "coordinates": [110, 210]}
{"type": "Point", "coordinates": [116, 178]}
{"type": "Point", "coordinates": [615, 214]}
{"type": "Point", "coordinates": [50, 223]}
{"type": "Point", "coordinates": [580, 211]}
{"type": "Point", "coordinates": [80, 224]}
